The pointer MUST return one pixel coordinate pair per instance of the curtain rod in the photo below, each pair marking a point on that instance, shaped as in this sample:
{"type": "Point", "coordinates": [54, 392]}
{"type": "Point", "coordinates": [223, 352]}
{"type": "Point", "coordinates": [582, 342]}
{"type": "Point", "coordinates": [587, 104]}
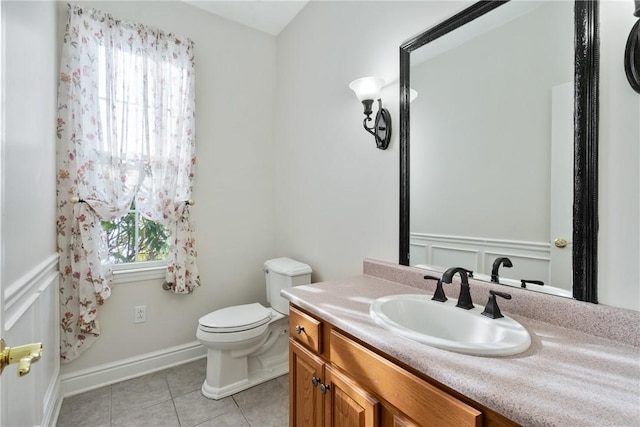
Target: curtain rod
{"type": "Point", "coordinates": [75, 200]}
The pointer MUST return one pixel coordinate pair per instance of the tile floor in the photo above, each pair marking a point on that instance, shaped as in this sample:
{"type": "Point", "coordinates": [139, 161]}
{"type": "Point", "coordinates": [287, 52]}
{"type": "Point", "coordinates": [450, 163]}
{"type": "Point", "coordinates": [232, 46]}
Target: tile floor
{"type": "Point", "coordinates": [172, 398]}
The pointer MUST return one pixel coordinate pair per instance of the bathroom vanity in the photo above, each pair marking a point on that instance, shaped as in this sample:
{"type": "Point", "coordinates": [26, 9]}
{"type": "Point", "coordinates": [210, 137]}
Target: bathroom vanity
{"type": "Point", "coordinates": [581, 369]}
{"type": "Point", "coordinates": [336, 380]}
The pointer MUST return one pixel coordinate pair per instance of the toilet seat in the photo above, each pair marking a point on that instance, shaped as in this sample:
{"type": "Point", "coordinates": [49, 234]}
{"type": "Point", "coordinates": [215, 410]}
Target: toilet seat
{"type": "Point", "coordinates": [235, 319]}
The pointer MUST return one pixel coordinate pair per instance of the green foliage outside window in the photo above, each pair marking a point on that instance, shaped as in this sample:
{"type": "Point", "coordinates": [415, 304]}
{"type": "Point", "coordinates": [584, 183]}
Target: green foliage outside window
{"type": "Point", "coordinates": [134, 238]}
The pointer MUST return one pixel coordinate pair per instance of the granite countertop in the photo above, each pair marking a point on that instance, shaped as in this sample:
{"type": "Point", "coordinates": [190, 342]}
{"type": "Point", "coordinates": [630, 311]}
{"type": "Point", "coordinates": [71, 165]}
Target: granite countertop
{"type": "Point", "coordinates": [566, 378]}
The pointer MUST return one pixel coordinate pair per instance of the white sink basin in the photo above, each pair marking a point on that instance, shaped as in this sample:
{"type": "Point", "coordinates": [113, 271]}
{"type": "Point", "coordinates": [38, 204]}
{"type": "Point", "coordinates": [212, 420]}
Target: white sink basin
{"type": "Point", "coordinates": [445, 326]}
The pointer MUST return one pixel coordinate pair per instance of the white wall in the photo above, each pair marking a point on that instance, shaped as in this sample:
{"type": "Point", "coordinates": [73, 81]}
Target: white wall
{"type": "Point", "coordinates": [234, 211]}
{"type": "Point", "coordinates": [28, 275]}
{"type": "Point", "coordinates": [337, 194]}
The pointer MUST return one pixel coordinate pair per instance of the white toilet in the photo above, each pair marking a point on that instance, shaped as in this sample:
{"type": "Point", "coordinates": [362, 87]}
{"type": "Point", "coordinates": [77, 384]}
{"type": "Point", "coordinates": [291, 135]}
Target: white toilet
{"type": "Point", "coordinates": [248, 344]}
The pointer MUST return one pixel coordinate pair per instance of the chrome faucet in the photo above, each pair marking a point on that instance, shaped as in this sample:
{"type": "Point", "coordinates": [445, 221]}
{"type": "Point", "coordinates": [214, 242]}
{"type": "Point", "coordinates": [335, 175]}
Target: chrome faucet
{"type": "Point", "coordinates": [496, 265]}
{"type": "Point", "coordinates": [464, 300]}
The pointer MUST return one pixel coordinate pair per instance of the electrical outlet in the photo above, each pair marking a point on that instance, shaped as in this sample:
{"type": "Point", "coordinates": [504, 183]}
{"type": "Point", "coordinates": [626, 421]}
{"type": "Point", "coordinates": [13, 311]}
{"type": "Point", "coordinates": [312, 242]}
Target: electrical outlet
{"type": "Point", "coordinates": [140, 314]}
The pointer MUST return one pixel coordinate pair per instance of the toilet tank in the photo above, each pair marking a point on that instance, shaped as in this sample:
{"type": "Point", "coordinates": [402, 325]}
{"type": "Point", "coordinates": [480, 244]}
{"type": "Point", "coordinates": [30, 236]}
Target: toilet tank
{"type": "Point", "coordinates": [284, 273]}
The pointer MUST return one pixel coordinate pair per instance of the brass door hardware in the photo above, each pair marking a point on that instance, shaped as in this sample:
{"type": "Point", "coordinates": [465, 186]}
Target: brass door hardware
{"type": "Point", "coordinates": [560, 242]}
{"type": "Point", "coordinates": [24, 355]}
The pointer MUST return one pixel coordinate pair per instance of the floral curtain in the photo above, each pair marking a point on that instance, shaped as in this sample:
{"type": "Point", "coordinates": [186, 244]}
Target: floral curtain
{"type": "Point", "coordinates": [125, 132]}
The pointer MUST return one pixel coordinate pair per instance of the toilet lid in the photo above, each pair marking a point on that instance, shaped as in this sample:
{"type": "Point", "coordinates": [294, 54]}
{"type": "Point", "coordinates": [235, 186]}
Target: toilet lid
{"type": "Point", "coordinates": [235, 318]}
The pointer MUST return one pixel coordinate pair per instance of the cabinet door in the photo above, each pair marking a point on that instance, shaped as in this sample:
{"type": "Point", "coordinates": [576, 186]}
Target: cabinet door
{"type": "Point", "coordinates": [305, 399]}
{"type": "Point", "coordinates": [346, 404]}
{"type": "Point", "coordinates": [408, 394]}
{"type": "Point", "coordinates": [400, 421]}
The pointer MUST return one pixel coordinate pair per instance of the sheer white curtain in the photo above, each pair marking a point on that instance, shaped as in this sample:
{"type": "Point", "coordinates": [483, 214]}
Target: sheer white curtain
{"type": "Point", "coordinates": [125, 132]}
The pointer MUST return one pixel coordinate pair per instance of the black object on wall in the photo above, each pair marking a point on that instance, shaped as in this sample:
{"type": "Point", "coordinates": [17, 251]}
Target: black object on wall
{"type": "Point", "coordinates": [632, 53]}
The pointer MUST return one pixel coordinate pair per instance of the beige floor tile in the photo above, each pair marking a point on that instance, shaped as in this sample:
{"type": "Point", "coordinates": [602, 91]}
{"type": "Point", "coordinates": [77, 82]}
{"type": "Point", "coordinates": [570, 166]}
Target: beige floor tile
{"type": "Point", "coordinates": [138, 393]}
{"type": "Point", "coordinates": [230, 419]}
{"type": "Point", "coordinates": [265, 405]}
{"type": "Point", "coordinates": [172, 398]}
{"type": "Point", "coordinates": [283, 380]}
{"type": "Point", "coordinates": [92, 408]}
{"type": "Point", "coordinates": [186, 378]}
{"type": "Point", "coordinates": [194, 408]}
{"type": "Point", "coordinates": [160, 415]}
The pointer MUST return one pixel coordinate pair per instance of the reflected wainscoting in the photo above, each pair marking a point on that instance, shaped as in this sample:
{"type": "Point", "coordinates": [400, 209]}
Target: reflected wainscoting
{"type": "Point", "coordinates": [531, 260]}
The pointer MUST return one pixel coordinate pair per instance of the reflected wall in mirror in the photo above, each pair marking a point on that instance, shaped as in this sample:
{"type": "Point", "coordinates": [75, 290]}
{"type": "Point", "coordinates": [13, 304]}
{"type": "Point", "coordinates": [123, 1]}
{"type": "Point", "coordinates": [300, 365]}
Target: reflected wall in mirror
{"type": "Point", "coordinates": [492, 145]}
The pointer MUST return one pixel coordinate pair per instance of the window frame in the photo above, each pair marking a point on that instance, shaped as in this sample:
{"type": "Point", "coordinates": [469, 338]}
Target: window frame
{"type": "Point", "coordinates": [138, 271]}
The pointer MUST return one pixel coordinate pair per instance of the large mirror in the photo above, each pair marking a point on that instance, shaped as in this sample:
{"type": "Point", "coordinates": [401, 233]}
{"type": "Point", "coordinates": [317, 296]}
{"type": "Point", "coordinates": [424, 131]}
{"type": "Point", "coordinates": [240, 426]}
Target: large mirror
{"type": "Point", "coordinates": [498, 152]}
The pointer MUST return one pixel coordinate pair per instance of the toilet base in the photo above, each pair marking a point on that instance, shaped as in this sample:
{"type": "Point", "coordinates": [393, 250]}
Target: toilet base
{"type": "Point", "coordinates": [253, 379]}
{"type": "Point", "coordinates": [229, 372]}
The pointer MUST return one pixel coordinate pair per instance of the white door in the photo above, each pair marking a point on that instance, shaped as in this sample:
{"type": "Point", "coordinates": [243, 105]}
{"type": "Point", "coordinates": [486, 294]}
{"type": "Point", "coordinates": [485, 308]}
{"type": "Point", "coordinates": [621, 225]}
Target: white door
{"type": "Point", "coordinates": [28, 258]}
{"type": "Point", "coordinates": [561, 224]}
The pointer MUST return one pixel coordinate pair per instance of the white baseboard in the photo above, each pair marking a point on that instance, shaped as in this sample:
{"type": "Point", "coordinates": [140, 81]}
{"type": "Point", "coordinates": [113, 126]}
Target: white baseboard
{"type": "Point", "coordinates": [110, 373]}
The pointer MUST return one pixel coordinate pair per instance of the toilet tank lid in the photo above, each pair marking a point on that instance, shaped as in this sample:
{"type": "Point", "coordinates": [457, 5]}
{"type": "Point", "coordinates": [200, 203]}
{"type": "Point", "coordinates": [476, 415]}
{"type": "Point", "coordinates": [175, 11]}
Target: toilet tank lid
{"type": "Point", "coordinates": [287, 266]}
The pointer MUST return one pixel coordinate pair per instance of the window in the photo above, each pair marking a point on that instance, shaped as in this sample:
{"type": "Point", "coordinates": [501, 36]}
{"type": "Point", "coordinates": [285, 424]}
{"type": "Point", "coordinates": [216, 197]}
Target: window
{"type": "Point", "coordinates": [134, 238]}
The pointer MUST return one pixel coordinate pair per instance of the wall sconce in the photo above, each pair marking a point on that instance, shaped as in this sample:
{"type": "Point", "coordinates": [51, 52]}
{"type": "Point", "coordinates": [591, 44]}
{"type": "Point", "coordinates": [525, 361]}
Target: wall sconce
{"type": "Point", "coordinates": [367, 90]}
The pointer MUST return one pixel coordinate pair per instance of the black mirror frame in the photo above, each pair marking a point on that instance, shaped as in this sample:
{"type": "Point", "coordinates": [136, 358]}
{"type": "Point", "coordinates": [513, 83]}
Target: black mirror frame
{"type": "Point", "coordinates": [586, 105]}
{"type": "Point", "coordinates": [632, 57]}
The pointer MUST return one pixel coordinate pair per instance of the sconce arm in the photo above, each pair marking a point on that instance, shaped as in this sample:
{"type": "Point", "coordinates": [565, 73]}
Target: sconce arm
{"type": "Point", "coordinates": [368, 129]}
{"type": "Point", "coordinates": [381, 130]}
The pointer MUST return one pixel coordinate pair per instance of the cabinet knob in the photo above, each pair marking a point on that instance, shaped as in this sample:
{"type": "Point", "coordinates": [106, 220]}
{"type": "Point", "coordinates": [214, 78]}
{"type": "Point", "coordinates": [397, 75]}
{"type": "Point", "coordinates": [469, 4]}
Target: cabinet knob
{"type": "Point", "coordinates": [299, 329]}
{"type": "Point", "coordinates": [324, 388]}
{"type": "Point", "coordinates": [315, 381]}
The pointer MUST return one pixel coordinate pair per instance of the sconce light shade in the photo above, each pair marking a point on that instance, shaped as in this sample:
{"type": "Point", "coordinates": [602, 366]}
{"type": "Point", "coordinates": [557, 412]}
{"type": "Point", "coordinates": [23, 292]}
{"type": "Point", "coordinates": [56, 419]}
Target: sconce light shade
{"type": "Point", "coordinates": [367, 89]}
{"type": "Point", "coordinates": [413, 94]}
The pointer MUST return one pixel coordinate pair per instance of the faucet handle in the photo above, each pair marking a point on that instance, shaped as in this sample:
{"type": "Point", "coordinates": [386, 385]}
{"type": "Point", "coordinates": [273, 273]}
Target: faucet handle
{"type": "Point", "coordinates": [523, 283]}
{"type": "Point", "coordinates": [438, 295]}
{"type": "Point", "coordinates": [492, 310]}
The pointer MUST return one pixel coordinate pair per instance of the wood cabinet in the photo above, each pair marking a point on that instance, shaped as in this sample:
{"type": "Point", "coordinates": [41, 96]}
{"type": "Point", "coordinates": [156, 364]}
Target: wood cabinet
{"type": "Point", "coordinates": [305, 399]}
{"type": "Point", "coordinates": [321, 395]}
{"type": "Point", "coordinates": [346, 404]}
{"type": "Point", "coordinates": [335, 381]}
